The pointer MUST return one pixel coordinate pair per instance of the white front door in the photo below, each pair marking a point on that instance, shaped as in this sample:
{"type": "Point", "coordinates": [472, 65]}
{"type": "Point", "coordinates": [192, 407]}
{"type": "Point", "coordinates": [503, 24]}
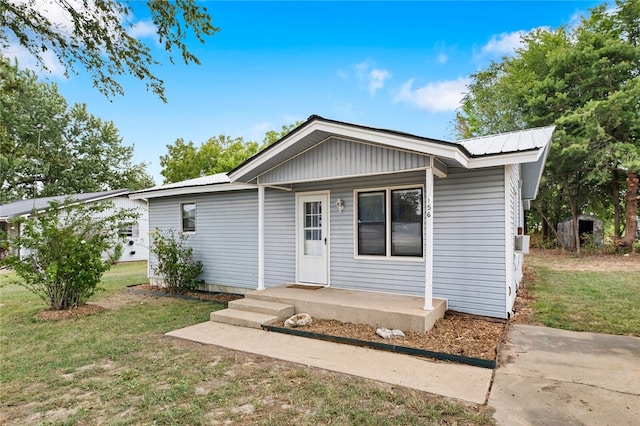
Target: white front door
{"type": "Point", "coordinates": [312, 227]}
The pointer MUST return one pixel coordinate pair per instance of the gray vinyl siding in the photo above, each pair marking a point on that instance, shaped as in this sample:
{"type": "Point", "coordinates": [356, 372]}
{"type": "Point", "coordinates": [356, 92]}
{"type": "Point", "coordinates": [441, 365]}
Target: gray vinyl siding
{"type": "Point", "coordinates": [339, 158]}
{"type": "Point", "coordinates": [226, 233]}
{"type": "Point", "coordinates": [469, 241]}
{"type": "Point", "coordinates": [515, 218]}
{"type": "Point", "coordinates": [381, 274]}
{"type": "Point", "coordinates": [279, 238]}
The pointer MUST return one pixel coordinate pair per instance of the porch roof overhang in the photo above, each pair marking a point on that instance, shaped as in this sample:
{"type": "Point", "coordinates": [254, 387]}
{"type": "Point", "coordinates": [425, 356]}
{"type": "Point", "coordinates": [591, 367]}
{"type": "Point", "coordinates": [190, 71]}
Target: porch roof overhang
{"type": "Point", "coordinates": [520, 147]}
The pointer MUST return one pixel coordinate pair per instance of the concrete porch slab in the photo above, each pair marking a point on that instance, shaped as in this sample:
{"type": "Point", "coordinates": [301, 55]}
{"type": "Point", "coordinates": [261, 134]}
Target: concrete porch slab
{"type": "Point", "coordinates": [458, 381]}
{"type": "Point", "coordinates": [358, 307]}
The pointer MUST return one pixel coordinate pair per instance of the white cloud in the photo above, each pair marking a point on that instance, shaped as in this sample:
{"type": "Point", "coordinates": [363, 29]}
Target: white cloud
{"type": "Point", "coordinates": [373, 78]}
{"type": "Point", "coordinates": [503, 44]}
{"type": "Point", "coordinates": [376, 80]}
{"type": "Point", "coordinates": [442, 58]}
{"type": "Point", "coordinates": [28, 61]}
{"type": "Point", "coordinates": [436, 96]}
{"type": "Point", "coordinates": [143, 29]}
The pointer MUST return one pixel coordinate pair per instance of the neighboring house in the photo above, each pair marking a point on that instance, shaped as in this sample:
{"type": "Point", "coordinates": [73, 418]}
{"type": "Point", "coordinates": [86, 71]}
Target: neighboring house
{"type": "Point", "coordinates": [360, 208]}
{"type": "Point", "coordinates": [590, 230]}
{"type": "Point", "coordinates": [136, 236]}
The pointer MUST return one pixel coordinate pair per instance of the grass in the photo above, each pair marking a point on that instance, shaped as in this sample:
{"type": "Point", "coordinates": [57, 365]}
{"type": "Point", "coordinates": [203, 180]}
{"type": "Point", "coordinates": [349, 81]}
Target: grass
{"type": "Point", "coordinates": [597, 294]}
{"type": "Point", "coordinates": [117, 367]}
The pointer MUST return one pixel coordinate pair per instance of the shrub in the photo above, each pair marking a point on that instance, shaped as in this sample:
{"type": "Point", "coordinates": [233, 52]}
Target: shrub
{"type": "Point", "coordinates": [59, 251]}
{"type": "Point", "coordinates": [175, 265]}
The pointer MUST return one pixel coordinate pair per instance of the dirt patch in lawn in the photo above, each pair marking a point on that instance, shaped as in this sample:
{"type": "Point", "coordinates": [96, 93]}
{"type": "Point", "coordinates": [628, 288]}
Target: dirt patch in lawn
{"type": "Point", "coordinates": [568, 261]}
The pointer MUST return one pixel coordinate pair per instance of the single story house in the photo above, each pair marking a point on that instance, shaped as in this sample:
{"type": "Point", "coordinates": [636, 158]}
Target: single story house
{"type": "Point", "coordinates": [136, 235]}
{"type": "Point", "coordinates": [366, 209]}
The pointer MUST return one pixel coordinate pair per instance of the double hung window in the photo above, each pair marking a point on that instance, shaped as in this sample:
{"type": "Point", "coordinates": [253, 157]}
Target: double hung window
{"type": "Point", "coordinates": [188, 214]}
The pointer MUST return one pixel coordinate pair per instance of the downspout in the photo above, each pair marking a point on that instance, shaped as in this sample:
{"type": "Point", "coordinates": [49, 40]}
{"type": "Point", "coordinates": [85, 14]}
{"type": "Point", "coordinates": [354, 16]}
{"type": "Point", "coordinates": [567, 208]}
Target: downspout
{"type": "Point", "coordinates": [260, 237]}
{"type": "Point", "coordinates": [428, 237]}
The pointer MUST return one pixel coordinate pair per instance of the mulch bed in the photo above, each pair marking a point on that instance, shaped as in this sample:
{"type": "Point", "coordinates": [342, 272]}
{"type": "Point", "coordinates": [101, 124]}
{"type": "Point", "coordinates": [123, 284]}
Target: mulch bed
{"type": "Point", "coordinates": [201, 295]}
{"type": "Point", "coordinates": [80, 311]}
{"type": "Point", "coordinates": [457, 334]}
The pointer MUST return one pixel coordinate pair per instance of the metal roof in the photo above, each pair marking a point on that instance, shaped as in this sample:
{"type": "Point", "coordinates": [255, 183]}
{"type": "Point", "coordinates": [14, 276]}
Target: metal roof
{"type": "Point", "coordinates": [211, 183]}
{"type": "Point", "coordinates": [199, 181]}
{"type": "Point", "coordinates": [518, 141]}
{"type": "Point", "coordinates": [23, 207]}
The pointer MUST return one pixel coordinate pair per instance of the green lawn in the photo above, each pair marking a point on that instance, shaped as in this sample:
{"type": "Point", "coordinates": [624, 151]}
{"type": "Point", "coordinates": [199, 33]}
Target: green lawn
{"type": "Point", "coordinates": [116, 367]}
{"type": "Point", "coordinates": [600, 294]}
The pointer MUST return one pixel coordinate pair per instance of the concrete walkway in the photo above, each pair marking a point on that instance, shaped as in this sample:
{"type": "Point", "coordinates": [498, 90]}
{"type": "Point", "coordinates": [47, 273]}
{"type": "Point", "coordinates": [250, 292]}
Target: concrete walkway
{"type": "Point", "coordinates": [546, 376]}
{"type": "Point", "coordinates": [448, 379]}
{"type": "Point", "coordinates": [558, 377]}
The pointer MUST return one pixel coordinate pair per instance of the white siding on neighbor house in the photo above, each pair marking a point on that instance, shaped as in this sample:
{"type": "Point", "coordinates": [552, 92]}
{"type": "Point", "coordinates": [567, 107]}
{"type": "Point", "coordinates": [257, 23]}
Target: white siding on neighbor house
{"type": "Point", "coordinates": [339, 158]}
{"type": "Point", "coordinates": [135, 248]}
{"type": "Point", "coordinates": [469, 243]}
{"type": "Point", "coordinates": [348, 272]}
{"type": "Point", "coordinates": [226, 233]}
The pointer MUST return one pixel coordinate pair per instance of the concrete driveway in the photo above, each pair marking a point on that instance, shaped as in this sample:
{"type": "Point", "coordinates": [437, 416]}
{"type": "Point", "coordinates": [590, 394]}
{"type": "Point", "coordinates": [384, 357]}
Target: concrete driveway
{"type": "Point", "coordinates": [558, 377]}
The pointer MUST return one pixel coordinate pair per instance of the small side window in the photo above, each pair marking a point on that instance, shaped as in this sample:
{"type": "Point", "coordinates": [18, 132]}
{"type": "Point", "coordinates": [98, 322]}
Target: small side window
{"type": "Point", "coordinates": [188, 217]}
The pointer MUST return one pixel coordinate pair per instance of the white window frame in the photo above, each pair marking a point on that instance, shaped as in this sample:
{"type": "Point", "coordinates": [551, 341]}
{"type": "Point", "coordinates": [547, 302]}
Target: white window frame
{"type": "Point", "coordinates": [195, 221]}
{"type": "Point", "coordinates": [388, 226]}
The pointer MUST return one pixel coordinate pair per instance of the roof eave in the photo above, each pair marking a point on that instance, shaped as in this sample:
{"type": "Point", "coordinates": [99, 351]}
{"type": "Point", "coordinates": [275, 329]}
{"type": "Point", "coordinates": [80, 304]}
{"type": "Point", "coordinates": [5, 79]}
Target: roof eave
{"type": "Point", "coordinates": [200, 189]}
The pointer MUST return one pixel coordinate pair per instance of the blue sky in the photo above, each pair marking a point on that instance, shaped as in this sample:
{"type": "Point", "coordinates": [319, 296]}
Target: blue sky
{"type": "Point", "coordinates": [395, 65]}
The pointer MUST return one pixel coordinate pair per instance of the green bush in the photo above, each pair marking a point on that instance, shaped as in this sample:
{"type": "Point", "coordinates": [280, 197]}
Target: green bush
{"type": "Point", "coordinates": [60, 252]}
{"type": "Point", "coordinates": [175, 265]}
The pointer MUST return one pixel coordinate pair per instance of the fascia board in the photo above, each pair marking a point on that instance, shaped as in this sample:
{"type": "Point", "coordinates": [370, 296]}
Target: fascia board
{"type": "Point", "coordinates": [396, 141]}
{"type": "Point", "coordinates": [190, 190]}
{"type": "Point", "coordinates": [504, 159]}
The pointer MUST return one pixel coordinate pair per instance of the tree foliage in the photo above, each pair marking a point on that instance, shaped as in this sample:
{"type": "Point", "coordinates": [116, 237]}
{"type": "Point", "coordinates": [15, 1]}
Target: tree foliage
{"type": "Point", "coordinates": [47, 148]}
{"type": "Point", "coordinates": [217, 155]}
{"type": "Point", "coordinates": [586, 81]}
{"type": "Point", "coordinates": [96, 36]}
{"type": "Point", "coordinates": [59, 252]}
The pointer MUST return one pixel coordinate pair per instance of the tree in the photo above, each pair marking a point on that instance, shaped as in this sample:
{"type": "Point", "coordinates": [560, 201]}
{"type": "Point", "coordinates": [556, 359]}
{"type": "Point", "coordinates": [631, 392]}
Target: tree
{"type": "Point", "coordinates": [217, 155]}
{"type": "Point", "coordinates": [585, 81]}
{"type": "Point", "coordinates": [96, 36]}
{"type": "Point", "coordinates": [64, 246]}
{"type": "Point", "coordinates": [47, 148]}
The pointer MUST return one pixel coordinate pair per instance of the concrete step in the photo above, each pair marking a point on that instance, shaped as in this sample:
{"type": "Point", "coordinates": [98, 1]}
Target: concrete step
{"type": "Point", "coordinates": [243, 318]}
{"type": "Point", "coordinates": [281, 310]}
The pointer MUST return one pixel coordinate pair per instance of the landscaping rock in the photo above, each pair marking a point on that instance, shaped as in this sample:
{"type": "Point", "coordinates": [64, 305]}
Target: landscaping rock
{"type": "Point", "coordinates": [298, 320]}
{"type": "Point", "coordinates": [385, 333]}
{"type": "Point", "coordinates": [397, 334]}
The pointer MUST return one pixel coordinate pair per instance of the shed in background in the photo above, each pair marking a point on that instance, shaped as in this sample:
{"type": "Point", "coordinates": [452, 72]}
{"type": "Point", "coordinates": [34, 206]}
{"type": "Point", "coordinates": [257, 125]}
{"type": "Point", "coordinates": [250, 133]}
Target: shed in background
{"type": "Point", "coordinates": [590, 229]}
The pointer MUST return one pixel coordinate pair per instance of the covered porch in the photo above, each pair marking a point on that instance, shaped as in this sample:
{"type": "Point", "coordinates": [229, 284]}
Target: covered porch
{"type": "Point", "coordinates": [272, 305]}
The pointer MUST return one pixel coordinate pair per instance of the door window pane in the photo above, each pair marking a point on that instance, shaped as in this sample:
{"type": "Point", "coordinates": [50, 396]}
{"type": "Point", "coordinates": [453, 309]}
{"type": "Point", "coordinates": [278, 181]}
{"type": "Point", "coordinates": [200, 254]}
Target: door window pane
{"type": "Point", "coordinates": [313, 228]}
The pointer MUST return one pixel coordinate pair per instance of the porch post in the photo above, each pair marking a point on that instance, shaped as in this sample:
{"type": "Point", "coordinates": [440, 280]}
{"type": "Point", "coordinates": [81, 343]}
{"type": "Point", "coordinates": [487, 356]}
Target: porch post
{"type": "Point", "coordinates": [428, 238]}
{"type": "Point", "coordinates": [260, 237]}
